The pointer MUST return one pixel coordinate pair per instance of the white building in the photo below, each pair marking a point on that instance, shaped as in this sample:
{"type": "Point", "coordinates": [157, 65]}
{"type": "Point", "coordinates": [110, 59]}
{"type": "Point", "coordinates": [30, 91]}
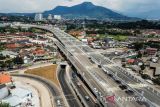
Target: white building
{"type": "Point", "coordinates": [4, 91]}
{"type": "Point", "coordinates": [84, 41]}
{"type": "Point", "coordinates": [18, 97]}
{"type": "Point", "coordinates": [38, 41]}
{"type": "Point", "coordinates": [26, 60]}
{"type": "Point", "coordinates": [38, 17]}
{"type": "Point", "coordinates": [49, 17]}
{"type": "Point", "coordinates": [14, 101]}
{"type": "Point", "coordinates": [21, 93]}
{"type": "Point", "coordinates": [57, 17]}
{"type": "Point", "coordinates": [9, 53]}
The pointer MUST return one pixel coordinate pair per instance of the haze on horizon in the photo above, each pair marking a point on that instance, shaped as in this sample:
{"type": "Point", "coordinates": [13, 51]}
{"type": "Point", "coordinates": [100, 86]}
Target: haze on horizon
{"type": "Point", "coordinates": [137, 8]}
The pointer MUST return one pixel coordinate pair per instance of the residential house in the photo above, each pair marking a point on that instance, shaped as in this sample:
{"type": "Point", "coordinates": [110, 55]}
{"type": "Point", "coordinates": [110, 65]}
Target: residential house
{"type": "Point", "coordinates": [110, 42]}
{"type": "Point", "coordinates": [151, 51]}
{"type": "Point", "coordinates": [5, 78]}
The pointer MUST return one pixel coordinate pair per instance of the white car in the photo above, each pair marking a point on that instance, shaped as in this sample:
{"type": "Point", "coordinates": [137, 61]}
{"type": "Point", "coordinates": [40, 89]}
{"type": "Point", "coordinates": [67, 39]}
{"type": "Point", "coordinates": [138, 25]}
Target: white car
{"type": "Point", "coordinates": [87, 97]}
{"type": "Point", "coordinates": [95, 90]}
{"type": "Point", "coordinates": [58, 102]}
{"type": "Point", "coordinates": [150, 82]}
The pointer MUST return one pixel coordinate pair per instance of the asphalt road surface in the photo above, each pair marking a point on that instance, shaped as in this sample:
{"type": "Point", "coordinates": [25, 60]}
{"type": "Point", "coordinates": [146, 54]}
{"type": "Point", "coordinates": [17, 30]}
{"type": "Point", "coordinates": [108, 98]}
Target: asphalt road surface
{"type": "Point", "coordinates": [72, 100]}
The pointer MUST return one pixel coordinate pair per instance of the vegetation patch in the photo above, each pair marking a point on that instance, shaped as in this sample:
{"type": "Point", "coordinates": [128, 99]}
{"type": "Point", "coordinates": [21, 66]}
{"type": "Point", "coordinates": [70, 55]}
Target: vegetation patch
{"type": "Point", "coordinates": [48, 72]}
{"type": "Point", "coordinates": [4, 105]}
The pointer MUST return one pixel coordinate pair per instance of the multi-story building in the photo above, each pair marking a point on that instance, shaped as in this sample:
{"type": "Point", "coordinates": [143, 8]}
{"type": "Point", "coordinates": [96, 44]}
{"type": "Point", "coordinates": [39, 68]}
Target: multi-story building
{"type": "Point", "coordinates": [38, 17]}
{"type": "Point", "coordinates": [57, 17]}
{"type": "Point", "coordinates": [49, 17]}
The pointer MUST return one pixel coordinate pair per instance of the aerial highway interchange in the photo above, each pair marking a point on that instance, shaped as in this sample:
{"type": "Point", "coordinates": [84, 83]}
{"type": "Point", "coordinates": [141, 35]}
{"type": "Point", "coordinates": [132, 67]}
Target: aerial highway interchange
{"type": "Point", "coordinates": [101, 74]}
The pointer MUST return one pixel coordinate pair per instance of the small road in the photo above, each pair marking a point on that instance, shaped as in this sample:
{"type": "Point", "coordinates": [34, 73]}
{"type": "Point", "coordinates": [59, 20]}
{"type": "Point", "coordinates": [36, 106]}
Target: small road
{"type": "Point", "coordinates": [71, 99]}
{"type": "Point", "coordinates": [37, 65]}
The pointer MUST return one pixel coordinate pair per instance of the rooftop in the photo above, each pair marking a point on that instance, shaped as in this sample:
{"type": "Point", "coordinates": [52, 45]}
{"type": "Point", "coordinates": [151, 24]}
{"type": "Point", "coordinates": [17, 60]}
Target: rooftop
{"type": "Point", "coordinates": [5, 78]}
{"type": "Point", "coordinates": [8, 53]}
{"type": "Point", "coordinates": [20, 92]}
{"type": "Point", "coordinates": [39, 51]}
{"type": "Point", "coordinates": [13, 100]}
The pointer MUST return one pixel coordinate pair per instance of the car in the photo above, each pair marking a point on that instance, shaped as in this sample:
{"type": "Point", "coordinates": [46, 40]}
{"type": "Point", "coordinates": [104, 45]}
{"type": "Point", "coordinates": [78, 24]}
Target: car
{"type": "Point", "coordinates": [58, 102]}
{"type": "Point", "coordinates": [74, 75]}
{"type": "Point", "coordinates": [100, 94]}
{"type": "Point", "coordinates": [92, 61]}
{"type": "Point", "coordinates": [118, 81]}
{"type": "Point", "coordinates": [130, 92]}
{"type": "Point", "coordinates": [123, 87]}
{"type": "Point", "coordinates": [150, 82]}
{"type": "Point", "coordinates": [99, 66]}
{"type": "Point", "coordinates": [95, 90]}
{"type": "Point", "coordinates": [140, 102]}
{"type": "Point", "coordinates": [87, 98]}
{"type": "Point", "coordinates": [110, 75]}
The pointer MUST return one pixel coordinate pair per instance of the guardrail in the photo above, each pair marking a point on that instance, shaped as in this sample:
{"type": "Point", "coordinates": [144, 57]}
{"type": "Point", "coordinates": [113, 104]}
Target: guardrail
{"type": "Point", "coordinates": [124, 82]}
{"type": "Point", "coordinates": [75, 88]}
{"type": "Point", "coordinates": [66, 53]}
{"type": "Point", "coordinates": [65, 100]}
{"type": "Point", "coordinates": [62, 49]}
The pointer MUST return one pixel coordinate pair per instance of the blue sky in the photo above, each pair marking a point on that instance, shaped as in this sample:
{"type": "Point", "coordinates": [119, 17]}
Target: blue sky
{"type": "Point", "coordinates": [137, 8]}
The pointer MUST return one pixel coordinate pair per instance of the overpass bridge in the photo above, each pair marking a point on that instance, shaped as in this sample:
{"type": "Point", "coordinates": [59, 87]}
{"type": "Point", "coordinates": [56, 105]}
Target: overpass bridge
{"type": "Point", "coordinates": [81, 56]}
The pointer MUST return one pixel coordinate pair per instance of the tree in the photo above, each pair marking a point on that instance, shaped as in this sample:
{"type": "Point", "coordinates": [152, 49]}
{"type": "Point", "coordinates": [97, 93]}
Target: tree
{"type": "Point", "coordinates": [2, 57]}
{"type": "Point", "coordinates": [2, 47]}
{"type": "Point", "coordinates": [138, 45]}
{"type": "Point", "coordinates": [145, 76]}
{"type": "Point", "coordinates": [9, 63]}
{"type": "Point", "coordinates": [137, 31]}
{"type": "Point", "coordinates": [4, 105]}
{"type": "Point", "coordinates": [140, 72]}
{"type": "Point", "coordinates": [3, 65]}
{"type": "Point", "coordinates": [18, 60]}
{"type": "Point", "coordinates": [139, 54]}
{"type": "Point", "coordinates": [142, 67]}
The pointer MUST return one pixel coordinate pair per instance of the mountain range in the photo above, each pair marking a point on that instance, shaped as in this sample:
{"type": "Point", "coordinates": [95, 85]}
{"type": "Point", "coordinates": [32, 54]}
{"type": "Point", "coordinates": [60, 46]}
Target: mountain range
{"type": "Point", "coordinates": [84, 10]}
{"type": "Point", "coordinates": [87, 10]}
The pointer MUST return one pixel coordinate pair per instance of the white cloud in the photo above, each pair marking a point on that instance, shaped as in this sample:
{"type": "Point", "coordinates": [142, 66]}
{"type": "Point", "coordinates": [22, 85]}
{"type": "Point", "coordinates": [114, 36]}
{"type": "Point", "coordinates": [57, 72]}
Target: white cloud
{"type": "Point", "coordinates": [28, 5]}
{"type": "Point", "coordinates": [130, 7]}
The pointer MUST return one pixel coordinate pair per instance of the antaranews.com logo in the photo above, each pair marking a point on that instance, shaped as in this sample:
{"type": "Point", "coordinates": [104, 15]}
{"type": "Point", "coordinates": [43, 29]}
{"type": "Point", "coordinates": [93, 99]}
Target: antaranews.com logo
{"type": "Point", "coordinates": [113, 99]}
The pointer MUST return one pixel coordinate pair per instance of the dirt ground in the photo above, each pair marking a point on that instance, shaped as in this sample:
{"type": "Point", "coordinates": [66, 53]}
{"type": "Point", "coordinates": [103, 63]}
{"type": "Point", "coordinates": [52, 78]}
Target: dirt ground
{"type": "Point", "coordinates": [48, 72]}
